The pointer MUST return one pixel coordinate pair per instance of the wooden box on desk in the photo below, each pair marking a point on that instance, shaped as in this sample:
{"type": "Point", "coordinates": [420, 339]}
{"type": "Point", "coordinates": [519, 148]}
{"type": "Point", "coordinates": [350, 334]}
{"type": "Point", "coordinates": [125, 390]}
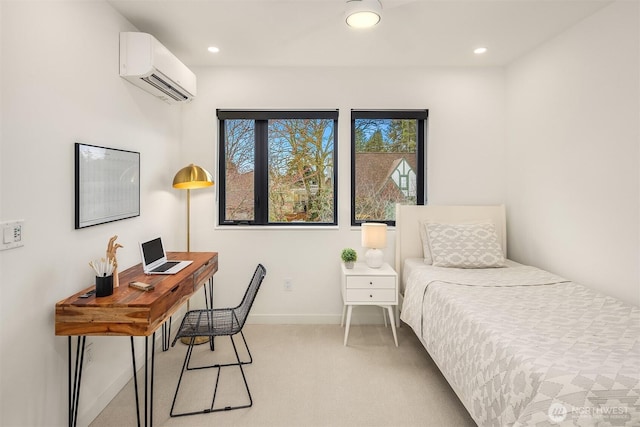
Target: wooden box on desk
{"type": "Point", "coordinates": [129, 311]}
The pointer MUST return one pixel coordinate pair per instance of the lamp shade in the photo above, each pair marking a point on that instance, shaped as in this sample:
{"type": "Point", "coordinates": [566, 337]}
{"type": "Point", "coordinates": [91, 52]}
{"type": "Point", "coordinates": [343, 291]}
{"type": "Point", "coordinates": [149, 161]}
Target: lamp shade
{"type": "Point", "coordinates": [374, 235]}
{"type": "Point", "coordinates": [363, 13]}
{"type": "Point", "coordinates": [191, 177]}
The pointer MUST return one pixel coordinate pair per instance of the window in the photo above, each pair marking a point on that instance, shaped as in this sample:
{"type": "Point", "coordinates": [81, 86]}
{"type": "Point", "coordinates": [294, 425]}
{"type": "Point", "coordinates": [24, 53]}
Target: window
{"type": "Point", "coordinates": [277, 167]}
{"type": "Point", "coordinates": [387, 163]}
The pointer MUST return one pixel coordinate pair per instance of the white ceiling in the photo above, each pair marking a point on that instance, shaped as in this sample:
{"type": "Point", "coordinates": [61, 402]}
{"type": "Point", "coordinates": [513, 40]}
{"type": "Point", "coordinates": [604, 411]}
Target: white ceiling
{"type": "Point", "coordinates": [414, 33]}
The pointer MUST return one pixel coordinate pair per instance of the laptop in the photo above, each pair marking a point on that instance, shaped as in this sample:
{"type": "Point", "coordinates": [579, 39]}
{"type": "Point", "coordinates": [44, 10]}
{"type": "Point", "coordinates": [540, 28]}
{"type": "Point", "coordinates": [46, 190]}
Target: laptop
{"type": "Point", "coordinates": [154, 259]}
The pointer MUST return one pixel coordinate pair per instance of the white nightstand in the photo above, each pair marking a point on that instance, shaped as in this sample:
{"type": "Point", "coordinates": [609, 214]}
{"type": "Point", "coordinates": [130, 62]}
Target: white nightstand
{"type": "Point", "coordinates": [362, 285]}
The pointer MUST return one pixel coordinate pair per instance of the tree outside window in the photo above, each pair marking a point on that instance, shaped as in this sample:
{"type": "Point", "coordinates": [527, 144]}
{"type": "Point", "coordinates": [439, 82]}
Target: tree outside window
{"type": "Point", "coordinates": [278, 167]}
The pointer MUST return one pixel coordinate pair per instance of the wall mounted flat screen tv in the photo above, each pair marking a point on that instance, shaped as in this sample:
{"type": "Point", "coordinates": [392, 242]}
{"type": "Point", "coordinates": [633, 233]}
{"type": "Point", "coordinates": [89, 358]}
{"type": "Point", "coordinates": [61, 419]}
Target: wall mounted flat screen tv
{"type": "Point", "coordinates": [107, 185]}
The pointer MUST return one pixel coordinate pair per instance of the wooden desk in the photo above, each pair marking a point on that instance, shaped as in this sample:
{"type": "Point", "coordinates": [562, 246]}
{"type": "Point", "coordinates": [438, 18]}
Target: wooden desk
{"type": "Point", "coordinates": [130, 312]}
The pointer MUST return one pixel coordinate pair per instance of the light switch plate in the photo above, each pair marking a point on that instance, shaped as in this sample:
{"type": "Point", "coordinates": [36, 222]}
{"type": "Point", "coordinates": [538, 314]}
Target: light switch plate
{"type": "Point", "coordinates": [12, 234]}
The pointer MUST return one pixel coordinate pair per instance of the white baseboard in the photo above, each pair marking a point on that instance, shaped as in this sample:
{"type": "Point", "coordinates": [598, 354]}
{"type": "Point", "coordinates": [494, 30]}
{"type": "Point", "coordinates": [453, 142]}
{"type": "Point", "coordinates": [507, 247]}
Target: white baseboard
{"type": "Point", "coordinates": [359, 316]}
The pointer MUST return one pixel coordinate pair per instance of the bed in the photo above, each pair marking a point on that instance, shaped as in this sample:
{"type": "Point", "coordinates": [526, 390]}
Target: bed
{"type": "Point", "coordinates": [519, 346]}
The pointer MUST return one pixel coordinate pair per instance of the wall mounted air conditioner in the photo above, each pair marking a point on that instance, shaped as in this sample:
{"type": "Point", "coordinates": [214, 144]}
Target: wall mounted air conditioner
{"type": "Point", "coordinates": [146, 63]}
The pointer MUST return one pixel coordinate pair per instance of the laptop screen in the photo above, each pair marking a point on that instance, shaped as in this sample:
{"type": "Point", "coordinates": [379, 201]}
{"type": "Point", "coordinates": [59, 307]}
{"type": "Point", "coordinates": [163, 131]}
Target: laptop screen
{"type": "Point", "coordinates": [152, 251]}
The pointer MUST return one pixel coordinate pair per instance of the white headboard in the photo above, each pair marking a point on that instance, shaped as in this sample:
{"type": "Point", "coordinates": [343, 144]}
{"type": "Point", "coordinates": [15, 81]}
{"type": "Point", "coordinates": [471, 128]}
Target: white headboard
{"type": "Point", "coordinates": [409, 217]}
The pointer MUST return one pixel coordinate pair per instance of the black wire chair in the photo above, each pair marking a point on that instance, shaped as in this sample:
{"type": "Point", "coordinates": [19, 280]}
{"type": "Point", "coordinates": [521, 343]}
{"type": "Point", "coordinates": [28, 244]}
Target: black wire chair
{"type": "Point", "coordinates": [219, 322]}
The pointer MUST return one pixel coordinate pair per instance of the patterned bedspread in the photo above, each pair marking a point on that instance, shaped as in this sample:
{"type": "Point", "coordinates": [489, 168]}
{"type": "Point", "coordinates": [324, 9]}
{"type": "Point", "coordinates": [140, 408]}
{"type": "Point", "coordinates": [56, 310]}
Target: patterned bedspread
{"type": "Point", "coordinates": [524, 347]}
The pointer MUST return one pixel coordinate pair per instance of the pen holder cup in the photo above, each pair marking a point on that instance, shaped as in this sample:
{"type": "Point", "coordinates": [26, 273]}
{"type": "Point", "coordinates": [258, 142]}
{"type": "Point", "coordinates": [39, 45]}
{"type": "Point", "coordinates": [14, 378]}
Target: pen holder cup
{"type": "Point", "coordinates": [104, 286]}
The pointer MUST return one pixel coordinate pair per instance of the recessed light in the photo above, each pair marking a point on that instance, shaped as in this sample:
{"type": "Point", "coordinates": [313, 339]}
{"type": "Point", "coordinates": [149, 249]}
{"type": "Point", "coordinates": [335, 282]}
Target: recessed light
{"type": "Point", "coordinates": [213, 49]}
{"type": "Point", "coordinates": [480, 50]}
{"type": "Point", "coordinates": [363, 13]}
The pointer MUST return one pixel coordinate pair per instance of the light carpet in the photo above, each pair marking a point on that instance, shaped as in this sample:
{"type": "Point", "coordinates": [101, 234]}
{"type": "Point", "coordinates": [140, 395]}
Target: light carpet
{"type": "Point", "coordinates": [303, 375]}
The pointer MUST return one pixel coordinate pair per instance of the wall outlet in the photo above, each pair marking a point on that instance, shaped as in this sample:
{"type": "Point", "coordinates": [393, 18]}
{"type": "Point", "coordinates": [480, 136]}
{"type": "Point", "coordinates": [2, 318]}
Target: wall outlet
{"type": "Point", "coordinates": [288, 284]}
{"type": "Point", "coordinates": [12, 234]}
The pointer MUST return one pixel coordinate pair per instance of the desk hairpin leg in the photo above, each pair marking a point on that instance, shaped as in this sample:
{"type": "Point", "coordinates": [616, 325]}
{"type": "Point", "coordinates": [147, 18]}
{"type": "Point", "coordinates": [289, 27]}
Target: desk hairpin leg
{"type": "Point", "coordinates": [135, 380]}
{"type": "Point", "coordinates": [166, 335]}
{"type": "Point", "coordinates": [148, 380]}
{"type": "Point", "coordinates": [146, 387]}
{"type": "Point", "coordinates": [74, 389]}
{"type": "Point", "coordinates": [209, 305]}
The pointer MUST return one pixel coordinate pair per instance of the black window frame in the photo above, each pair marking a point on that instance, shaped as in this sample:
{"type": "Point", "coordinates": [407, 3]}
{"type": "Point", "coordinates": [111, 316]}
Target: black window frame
{"type": "Point", "coordinates": [422, 117]}
{"type": "Point", "coordinates": [261, 163]}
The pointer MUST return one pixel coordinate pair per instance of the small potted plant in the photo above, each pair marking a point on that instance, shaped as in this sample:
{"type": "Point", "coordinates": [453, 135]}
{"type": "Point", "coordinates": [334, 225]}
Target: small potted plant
{"type": "Point", "coordinates": [349, 256]}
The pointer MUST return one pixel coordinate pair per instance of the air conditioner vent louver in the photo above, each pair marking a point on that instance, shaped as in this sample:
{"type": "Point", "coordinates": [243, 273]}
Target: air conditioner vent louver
{"type": "Point", "coordinates": [149, 65]}
{"type": "Point", "coordinates": [165, 87]}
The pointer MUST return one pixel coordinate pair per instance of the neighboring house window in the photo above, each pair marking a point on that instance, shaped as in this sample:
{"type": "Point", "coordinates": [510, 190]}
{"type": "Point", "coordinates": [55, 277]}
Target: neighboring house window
{"type": "Point", "coordinates": [387, 163]}
{"type": "Point", "coordinates": [277, 167]}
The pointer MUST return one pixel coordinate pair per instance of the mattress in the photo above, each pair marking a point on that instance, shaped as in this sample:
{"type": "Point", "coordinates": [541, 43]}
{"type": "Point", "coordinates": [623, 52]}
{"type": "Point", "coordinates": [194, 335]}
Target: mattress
{"type": "Point", "coordinates": [521, 346]}
{"type": "Point", "coordinates": [408, 267]}
{"type": "Point", "coordinates": [410, 264]}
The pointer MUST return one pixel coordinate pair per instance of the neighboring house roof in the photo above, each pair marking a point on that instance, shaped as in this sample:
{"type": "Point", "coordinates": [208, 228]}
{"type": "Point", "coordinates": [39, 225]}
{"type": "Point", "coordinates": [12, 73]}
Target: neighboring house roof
{"type": "Point", "coordinates": [375, 170]}
{"type": "Point", "coordinates": [374, 177]}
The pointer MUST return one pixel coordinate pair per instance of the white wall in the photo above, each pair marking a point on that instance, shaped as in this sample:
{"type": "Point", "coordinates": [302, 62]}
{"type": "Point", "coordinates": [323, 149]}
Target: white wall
{"type": "Point", "coordinates": [465, 166]}
{"type": "Point", "coordinates": [573, 153]}
{"type": "Point", "coordinates": [60, 85]}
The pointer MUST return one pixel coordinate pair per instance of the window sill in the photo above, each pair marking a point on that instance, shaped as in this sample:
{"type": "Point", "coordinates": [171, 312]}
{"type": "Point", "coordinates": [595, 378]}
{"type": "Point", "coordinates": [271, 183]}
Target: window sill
{"type": "Point", "coordinates": [276, 227]}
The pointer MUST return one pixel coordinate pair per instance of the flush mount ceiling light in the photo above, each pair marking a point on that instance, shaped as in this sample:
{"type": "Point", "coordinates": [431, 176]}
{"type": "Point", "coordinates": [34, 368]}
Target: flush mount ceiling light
{"type": "Point", "coordinates": [480, 50]}
{"type": "Point", "coordinates": [363, 13]}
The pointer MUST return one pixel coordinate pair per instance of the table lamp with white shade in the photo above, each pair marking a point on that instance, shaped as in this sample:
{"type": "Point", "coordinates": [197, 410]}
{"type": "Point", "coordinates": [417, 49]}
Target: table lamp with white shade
{"type": "Point", "coordinates": [374, 237]}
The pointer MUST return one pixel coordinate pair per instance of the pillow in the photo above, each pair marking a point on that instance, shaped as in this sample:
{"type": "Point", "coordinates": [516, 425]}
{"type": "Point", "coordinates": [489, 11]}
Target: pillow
{"type": "Point", "coordinates": [464, 245]}
{"type": "Point", "coordinates": [422, 226]}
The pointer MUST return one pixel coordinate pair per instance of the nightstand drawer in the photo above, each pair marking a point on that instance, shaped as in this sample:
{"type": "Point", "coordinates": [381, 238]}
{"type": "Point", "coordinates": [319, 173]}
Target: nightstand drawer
{"type": "Point", "coordinates": [370, 295]}
{"type": "Point", "coordinates": [371, 282]}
